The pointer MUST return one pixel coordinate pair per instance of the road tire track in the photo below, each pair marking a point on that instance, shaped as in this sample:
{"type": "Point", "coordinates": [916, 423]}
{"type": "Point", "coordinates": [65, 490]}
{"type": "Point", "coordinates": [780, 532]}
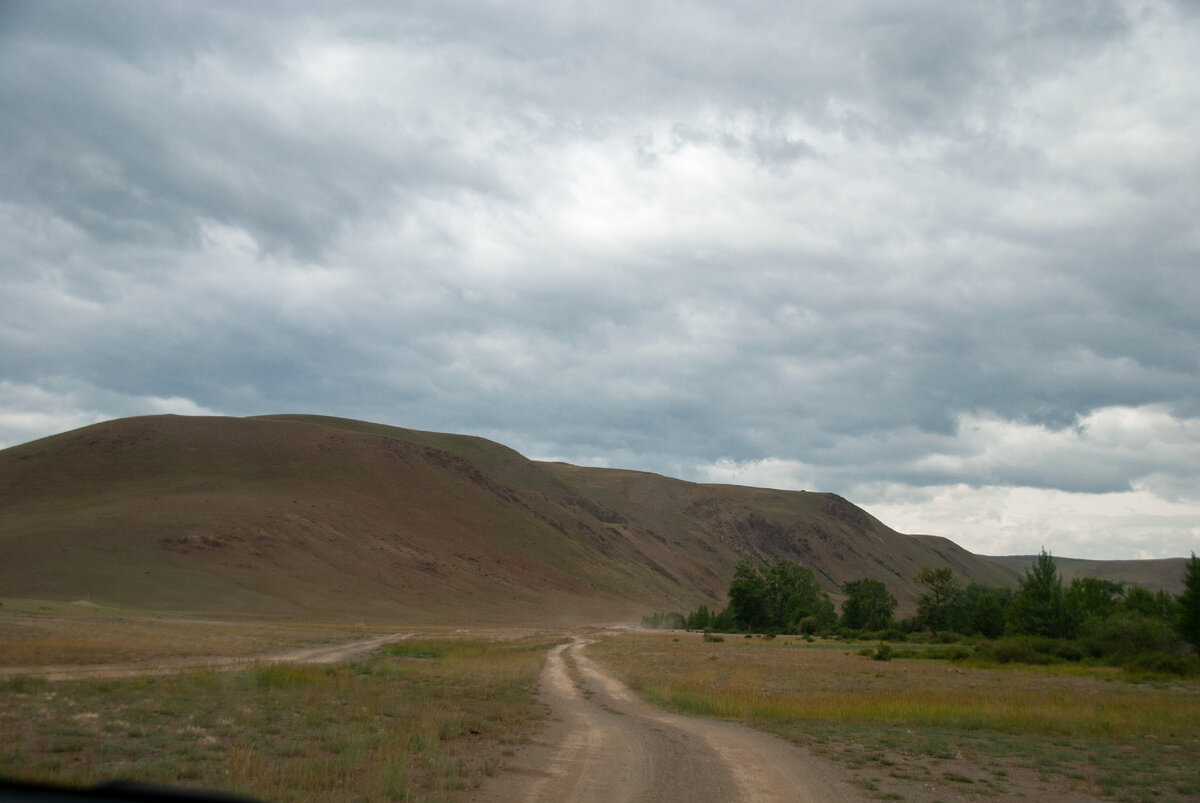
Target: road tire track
{"type": "Point", "coordinates": [319, 655]}
{"type": "Point", "coordinates": [606, 744]}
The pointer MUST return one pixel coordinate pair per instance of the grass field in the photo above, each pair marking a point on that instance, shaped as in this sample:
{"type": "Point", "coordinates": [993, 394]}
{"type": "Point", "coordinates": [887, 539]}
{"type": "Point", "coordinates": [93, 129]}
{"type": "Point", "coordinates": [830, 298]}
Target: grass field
{"type": "Point", "coordinates": [42, 632]}
{"type": "Point", "coordinates": [425, 718]}
{"type": "Point", "coordinates": [417, 721]}
{"type": "Point", "coordinates": [903, 724]}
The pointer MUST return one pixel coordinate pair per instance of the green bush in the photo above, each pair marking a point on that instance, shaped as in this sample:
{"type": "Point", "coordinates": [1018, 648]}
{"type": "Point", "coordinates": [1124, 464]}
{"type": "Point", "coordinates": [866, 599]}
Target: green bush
{"type": "Point", "coordinates": [935, 654]}
{"type": "Point", "coordinates": [1174, 664]}
{"type": "Point", "coordinates": [1125, 637]}
{"type": "Point", "coordinates": [883, 653]}
{"type": "Point", "coordinates": [1016, 651]}
{"type": "Point", "coordinates": [1069, 651]}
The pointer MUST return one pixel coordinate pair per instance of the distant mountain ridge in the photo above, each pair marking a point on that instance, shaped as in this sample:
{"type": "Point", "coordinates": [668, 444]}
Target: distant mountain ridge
{"type": "Point", "coordinates": [317, 517]}
{"type": "Point", "coordinates": [1164, 573]}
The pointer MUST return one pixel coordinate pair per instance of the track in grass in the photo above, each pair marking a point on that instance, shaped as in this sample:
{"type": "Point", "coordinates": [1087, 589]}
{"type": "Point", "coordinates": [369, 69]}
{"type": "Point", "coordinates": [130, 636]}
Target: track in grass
{"type": "Point", "coordinates": [608, 745]}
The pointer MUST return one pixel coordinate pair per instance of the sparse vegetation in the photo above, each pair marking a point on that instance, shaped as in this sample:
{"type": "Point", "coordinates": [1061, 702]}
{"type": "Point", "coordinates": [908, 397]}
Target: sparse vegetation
{"type": "Point", "coordinates": [420, 720]}
{"type": "Point", "coordinates": [914, 721]}
{"type": "Point", "coordinates": [42, 632]}
{"type": "Point", "coordinates": [1039, 672]}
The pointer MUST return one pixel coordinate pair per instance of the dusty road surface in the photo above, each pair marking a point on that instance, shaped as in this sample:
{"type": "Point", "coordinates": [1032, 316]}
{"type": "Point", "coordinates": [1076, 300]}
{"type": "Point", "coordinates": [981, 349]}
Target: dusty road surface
{"type": "Point", "coordinates": [605, 744]}
{"type": "Point", "coordinates": [319, 655]}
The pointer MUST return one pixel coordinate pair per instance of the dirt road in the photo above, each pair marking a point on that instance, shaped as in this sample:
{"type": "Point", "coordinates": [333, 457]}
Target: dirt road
{"type": "Point", "coordinates": [605, 744]}
{"type": "Point", "coordinates": [318, 655]}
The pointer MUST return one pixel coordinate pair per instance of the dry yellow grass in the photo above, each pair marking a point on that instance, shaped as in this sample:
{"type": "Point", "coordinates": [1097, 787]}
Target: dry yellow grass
{"type": "Point", "coordinates": [1084, 725]}
{"type": "Point", "coordinates": [39, 633]}
{"type": "Point", "coordinates": [419, 720]}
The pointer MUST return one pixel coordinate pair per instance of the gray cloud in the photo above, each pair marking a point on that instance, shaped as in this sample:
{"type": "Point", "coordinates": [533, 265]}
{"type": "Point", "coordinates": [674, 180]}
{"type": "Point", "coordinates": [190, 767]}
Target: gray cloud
{"type": "Point", "coordinates": [809, 245]}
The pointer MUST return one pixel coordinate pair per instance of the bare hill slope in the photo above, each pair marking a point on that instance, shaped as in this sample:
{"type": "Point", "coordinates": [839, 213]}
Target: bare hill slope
{"type": "Point", "coordinates": [304, 516]}
{"type": "Point", "coordinates": [1164, 573]}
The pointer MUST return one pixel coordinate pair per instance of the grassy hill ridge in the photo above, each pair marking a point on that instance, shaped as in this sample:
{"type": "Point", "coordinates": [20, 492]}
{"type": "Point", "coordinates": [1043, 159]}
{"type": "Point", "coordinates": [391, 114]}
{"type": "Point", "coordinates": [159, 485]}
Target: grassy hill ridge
{"type": "Point", "coordinates": [316, 517]}
{"type": "Point", "coordinates": [1165, 573]}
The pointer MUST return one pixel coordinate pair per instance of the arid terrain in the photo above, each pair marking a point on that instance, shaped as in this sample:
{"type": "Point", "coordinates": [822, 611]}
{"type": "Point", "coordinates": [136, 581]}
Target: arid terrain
{"type": "Point", "coordinates": [299, 608]}
{"type": "Point", "coordinates": [530, 714]}
{"type": "Point", "coordinates": [605, 744]}
{"type": "Point", "coordinates": [318, 519]}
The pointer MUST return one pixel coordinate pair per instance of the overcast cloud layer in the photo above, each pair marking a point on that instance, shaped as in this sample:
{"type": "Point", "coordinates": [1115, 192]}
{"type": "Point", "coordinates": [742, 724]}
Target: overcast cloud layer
{"type": "Point", "coordinates": [942, 259]}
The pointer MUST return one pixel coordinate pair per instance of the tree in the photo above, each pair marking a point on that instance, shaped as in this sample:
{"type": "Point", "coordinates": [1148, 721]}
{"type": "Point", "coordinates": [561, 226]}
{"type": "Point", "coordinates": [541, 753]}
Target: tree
{"type": "Point", "coordinates": [748, 596]}
{"type": "Point", "coordinates": [980, 610]}
{"type": "Point", "coordinates": [868, 605]}
{"type": "Point", "coordinates": [698, 619]}
{"type": "Point", "coordinates": [1091, 596]}
{"type": "Point", "coordinates": [723, 622]}
{"type": "Point", "coordinates": [822, 618]}
{"type": "Point", "coordinates": [1039, 608]}
{"type": "Point", "coordinates": [941, 592]}
{"type": "Point", "coordinates": [663, 621]}
{"type": "Point", "coordinates": [792, 594]}
{"type": "Point", "coordinates": [1187, 621]}
{"type": "Point", "coordinates": [782, 597]}
{"type": "Point", "coordinates": [1151, 605]}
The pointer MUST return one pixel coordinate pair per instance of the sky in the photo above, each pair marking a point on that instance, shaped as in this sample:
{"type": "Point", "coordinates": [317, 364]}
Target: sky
{"type": "Point", "coordinates": [942, 259]}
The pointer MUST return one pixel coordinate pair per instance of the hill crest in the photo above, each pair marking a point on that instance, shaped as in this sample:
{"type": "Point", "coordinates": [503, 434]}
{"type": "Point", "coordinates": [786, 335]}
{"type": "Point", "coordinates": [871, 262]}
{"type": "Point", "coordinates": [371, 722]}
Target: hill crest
{"type": "Point", "coordinates": [318, 517]}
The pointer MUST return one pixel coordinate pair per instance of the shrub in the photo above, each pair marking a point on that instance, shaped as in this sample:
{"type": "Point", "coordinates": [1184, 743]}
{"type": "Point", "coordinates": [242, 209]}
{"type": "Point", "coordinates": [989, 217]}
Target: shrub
{"type": "Point", "coordinates": [1015, 651]}
{"type": "Point", "coordinates": [883, 653]}
{"type": "Point", "coordinates": [1069, 651]}
{"type": "Point", "coordinates": [1163, 664]}
{"type": "Point", "coordinates": [713, 638]}
{"type": "Point", "coordinates": [935, 654]}
{"type": "Point", "coordinates": [891, 634]}
{"type": "Point", "coordinates": [1124, 637]}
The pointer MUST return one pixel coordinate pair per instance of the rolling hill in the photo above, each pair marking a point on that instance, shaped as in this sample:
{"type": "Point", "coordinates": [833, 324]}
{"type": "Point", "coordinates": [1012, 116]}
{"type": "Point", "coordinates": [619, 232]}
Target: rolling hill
{"type": "Point", "coordinates": [306, 516]}
{"type": "Point", "coordinates": [1165, 573]}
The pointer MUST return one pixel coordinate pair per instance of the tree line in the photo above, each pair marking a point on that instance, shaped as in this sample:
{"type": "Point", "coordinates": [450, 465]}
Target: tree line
{"type": "Point", "coordinates": [1089, 615]}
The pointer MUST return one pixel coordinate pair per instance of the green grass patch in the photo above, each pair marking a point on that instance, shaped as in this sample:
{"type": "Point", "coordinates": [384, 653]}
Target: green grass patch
{"type": "Point", "coordinates": [411, 651]}
{"type": "Point", "coordinates": [25, 684]}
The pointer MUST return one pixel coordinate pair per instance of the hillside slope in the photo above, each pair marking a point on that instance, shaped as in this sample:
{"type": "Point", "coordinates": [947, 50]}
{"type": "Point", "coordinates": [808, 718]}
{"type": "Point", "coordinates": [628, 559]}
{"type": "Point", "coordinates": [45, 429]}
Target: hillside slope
{"type": "Point", "coordinates": [305, 516]}
{"type": "Point", "coordinates": [1164, 573]}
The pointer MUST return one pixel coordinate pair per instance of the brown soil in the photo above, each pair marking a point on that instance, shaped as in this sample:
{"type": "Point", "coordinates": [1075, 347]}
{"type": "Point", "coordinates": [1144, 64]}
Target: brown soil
{"type": "Point", "coordinates": [320, 655]}
{"type": "Point", "coordinates": [605, 744]}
